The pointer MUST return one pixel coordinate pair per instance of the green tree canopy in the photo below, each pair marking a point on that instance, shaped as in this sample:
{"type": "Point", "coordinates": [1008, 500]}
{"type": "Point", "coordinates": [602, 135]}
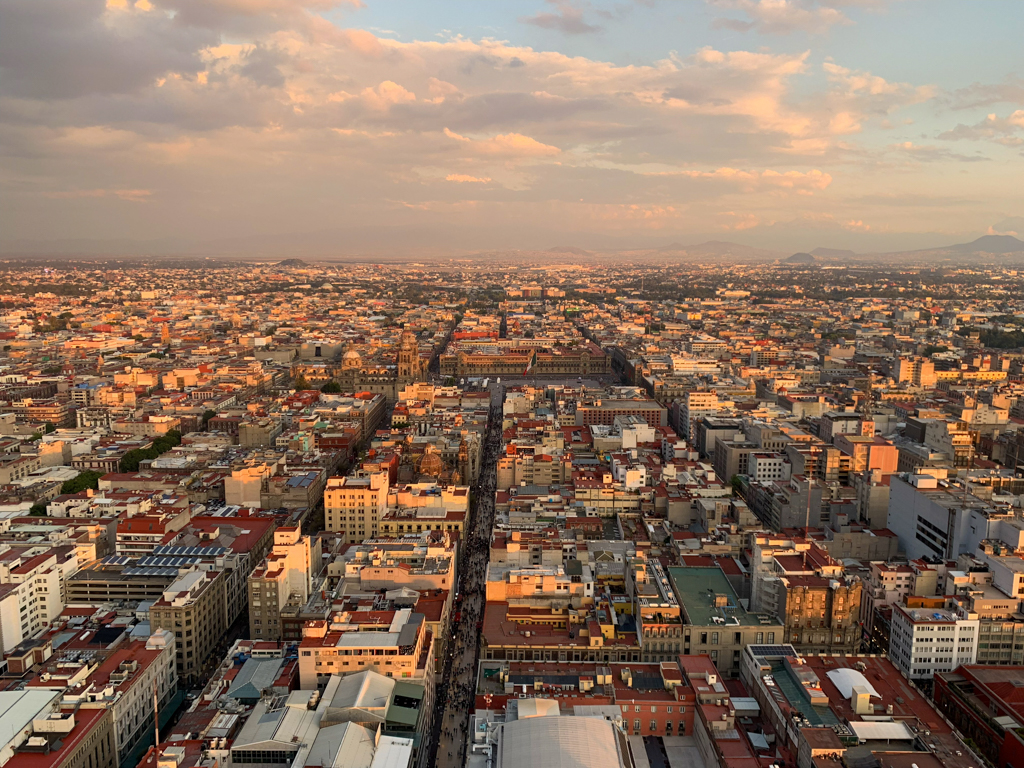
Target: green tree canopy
{"type": "Point", "coordinates": [87, 479]}
{"type": "Point", "coordinates": [132, 459]}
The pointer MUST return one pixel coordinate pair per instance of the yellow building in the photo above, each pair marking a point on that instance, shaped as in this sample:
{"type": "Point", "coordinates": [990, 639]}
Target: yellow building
{"type": "Point", "coordinates": [355, 505]}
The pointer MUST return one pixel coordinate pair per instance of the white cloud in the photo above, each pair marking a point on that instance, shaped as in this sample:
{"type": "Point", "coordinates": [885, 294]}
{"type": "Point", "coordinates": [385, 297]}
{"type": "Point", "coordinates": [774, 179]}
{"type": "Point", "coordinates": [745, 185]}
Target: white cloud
{"type": "Point", "coordinates": [780, 17]}
{"type": "Point", "coordinates": [751, 181]}
{"type": "Point", "coordinates": [505, 145]}
{"type": "Point", "coordinates": [463, 178]}
{"type": "Point", "coordinates": [236, 109]}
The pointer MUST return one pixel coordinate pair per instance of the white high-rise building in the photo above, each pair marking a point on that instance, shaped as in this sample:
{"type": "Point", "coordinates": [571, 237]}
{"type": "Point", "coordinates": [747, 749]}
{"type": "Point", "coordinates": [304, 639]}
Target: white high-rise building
{"type": "Point", "coordinates": [924, 641]}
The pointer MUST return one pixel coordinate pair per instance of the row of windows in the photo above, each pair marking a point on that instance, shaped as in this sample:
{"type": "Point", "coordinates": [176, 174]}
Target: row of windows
{"type": "Point", "coordinates": [654, 726]}
{"type": "Point", "coordinates": [636, 708]}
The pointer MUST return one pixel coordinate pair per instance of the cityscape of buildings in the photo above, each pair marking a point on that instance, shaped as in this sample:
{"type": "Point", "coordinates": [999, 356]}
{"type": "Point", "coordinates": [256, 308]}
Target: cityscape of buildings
{"type": "Point", "coordinates": [304, 515]}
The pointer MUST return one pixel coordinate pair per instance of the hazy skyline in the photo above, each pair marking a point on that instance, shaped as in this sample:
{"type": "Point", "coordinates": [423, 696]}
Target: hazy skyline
{"type": "Point", "coordinates": [864, 124]}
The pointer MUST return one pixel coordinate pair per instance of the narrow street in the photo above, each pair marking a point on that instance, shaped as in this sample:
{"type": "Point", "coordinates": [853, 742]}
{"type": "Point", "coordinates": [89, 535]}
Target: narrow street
{"type": "Point", "coordinates": [456, 688]}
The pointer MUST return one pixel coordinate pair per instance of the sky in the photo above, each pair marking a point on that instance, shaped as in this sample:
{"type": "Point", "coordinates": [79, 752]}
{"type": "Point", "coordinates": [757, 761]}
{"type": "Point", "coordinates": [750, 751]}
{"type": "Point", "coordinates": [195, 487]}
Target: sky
{"type": "Point", "coordinates": [437, 125]}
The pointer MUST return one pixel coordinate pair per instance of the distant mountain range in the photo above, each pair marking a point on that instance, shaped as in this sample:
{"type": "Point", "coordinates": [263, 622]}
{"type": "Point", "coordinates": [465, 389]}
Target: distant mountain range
{"type": "Point", "coordinates": [357, 243]}
{"type": "Point", "coordinates": [570, 250]}
{"type": "Point", "coordinates": [990, 244]}
{"type": "Point", "coordinates": [833, 253]}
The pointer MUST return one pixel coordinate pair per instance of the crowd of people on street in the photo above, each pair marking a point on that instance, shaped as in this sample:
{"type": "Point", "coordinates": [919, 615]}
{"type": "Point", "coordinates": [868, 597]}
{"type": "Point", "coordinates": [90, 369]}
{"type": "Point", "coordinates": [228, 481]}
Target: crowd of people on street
{"type": "Point", "coordinates": [455, 692]}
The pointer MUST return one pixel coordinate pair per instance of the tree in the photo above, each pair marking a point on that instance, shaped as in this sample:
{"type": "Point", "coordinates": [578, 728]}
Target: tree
{"type": "Point", "coordinates": [87, 479]}
{"type": "Point", "coordinates": [301, 383]}
{"type": "Point", "coordinates": [170, 439]}
{"type": "Point", "coordinates": [50, 427]}
{"type": "Point", "coordinates": [38, 509]}
{"type": "Point", "coordinates": [207, 415]}
{"type": "Point", "coordinates": [331, 388]}
{"type": "Point", "coordinates": [132, 459]}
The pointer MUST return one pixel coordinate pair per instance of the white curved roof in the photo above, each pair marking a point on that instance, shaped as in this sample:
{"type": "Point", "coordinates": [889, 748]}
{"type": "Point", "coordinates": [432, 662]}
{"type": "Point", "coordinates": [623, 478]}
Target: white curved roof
{"type": "Point", "coordinates": [845, 679]}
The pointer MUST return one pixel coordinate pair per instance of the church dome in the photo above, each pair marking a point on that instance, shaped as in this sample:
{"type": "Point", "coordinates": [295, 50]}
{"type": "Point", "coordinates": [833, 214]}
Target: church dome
{"type": "Point", "coordinates": [431, 463]}
{"type": "Point", "coordinates": [350, 359]}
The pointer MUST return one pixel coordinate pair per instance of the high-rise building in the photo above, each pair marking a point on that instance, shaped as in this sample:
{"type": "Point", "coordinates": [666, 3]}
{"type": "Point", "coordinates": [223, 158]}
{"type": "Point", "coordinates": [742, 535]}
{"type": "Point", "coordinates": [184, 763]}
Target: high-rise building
{"type": "Point", "coordinates": [193, 609]}
{"type": "Point", "coordinates": [285, 576]}
{"type": "Point", "coordinates": [927, 640]}
{"type": "Point", "coordinates": [918, 371]}
{"type": "Point", "coordinates": [355, 505]}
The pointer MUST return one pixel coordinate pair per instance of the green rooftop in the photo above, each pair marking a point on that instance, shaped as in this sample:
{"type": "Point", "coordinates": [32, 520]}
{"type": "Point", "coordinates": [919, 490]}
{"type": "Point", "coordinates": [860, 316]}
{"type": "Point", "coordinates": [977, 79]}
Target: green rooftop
{"type": "Point", "coordinates": [404, 707]}
{"type": "Point", "coordinates": [692, 585]}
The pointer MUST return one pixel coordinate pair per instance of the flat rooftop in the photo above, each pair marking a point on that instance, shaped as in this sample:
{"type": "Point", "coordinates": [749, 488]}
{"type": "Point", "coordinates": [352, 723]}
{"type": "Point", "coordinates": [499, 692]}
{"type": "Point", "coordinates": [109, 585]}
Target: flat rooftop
{"type": "Point", "coordinates": [692, 585]}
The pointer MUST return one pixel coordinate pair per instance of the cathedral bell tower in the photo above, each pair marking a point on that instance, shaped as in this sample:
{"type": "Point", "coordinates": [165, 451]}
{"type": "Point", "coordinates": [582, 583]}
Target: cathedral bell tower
{"type": "Point", "coordinates": [408, 360]}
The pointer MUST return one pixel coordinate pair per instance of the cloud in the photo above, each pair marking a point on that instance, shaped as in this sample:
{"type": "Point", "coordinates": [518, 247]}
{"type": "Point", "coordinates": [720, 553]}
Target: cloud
{"type": "Point", "coordinates": [566, 18]}
{"type": "Point", "coordinates": [985, 94]}
{"type": "Point", "coordinates": [929, 153]}
{"type": "Point", "coordinates": [1013, 226]}
{"type": "Point", "coordinates": [779, 17]}
{"type": "Point", "coordinates": [737, 222]}
{"type": "Point", "coordinates": [131, 195]}
{"type": "Point", "coordinates": [993, 127]}
{"type": "Point", "coordinates": [506, 145]}
{"type": "Point", "coordinates": [872, 93]}
{"type": "Point", "coordinates": [463, 178]}
{"type": "Point", "coordinates": [262, 65]}
{"type": "Point", "coordinates": [249, 15]}
{"type": "Point", "coordinates": [76, 48]}
{"type": "Point", "coordinates": [994, 231]}
{"type": "Point", "coordinates": [619, 216]}
{"type": "Point", "coordinates": [273, 115]}
{"type": "Point", "coordinates": [751, 181]}
{"type": "Point", "coordinates": [386, 94]}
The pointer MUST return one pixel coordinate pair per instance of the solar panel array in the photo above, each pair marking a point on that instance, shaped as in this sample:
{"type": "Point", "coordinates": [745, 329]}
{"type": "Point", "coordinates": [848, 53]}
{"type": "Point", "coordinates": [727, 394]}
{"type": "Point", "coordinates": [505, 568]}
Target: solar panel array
{"type": "Point", "coordinates": [136, 570]}
{"type": "Point", "coordinates": [173, 551]}
{"type": "Point", "coordinates": [117, 560]}
{"type": "Point", "coordinates": [773, 650]}
{"type": "Point", "coordinates": [169, 562]}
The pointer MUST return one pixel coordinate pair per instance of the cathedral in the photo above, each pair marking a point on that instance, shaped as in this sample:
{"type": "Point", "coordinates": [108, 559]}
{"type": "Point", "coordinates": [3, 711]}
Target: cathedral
{"type": "Point", "coordinates": [353, 375]}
